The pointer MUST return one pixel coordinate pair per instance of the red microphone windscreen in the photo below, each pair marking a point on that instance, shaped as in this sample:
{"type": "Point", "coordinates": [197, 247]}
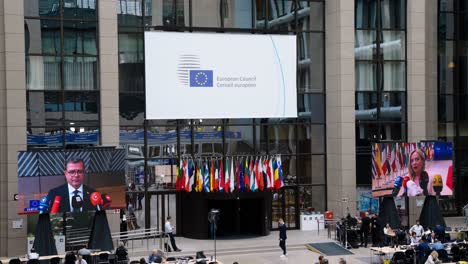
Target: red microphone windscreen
{"type": "Point", "coordinates": [95, 198]}
{"type": "Point", "coordinates": [55, 205]}
{"type": "Point", "coordinates": [106, 201]}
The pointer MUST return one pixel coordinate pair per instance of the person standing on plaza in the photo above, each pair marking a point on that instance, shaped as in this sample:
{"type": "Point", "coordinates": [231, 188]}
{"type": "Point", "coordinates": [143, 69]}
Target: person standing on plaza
{"type": "Point", "coordinates": [365, 228]}
{"type": "Point", "coordinates": [169, 228]}
{"type": "Point", "coordinates": [418, 229]}
{"type": "Point", "coordinates": [282, 236]}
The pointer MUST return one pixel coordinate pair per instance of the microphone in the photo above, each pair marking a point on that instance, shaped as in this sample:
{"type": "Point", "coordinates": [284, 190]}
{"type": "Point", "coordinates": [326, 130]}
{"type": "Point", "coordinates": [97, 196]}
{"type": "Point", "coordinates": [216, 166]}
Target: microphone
{"type": "Point", "coordinates": [55, 205]}
{"type": "Point", "coordinates": [397, 185]}
{"type": "Point", "coordinates": [106, 201]}
{"type": "Point", "coordinates": [77, 203]}
{"type": "Point", "coordinates": [437, 184]}
{"type": "Point", "coordinates": [44, 205]}
{"type": "Point", "coordinates": [96, 200]}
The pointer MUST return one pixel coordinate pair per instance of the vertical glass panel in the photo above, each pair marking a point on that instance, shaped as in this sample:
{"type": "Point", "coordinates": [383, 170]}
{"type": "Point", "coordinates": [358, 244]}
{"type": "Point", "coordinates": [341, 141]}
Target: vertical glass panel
{"type": "Point", "coordinates": [447, 67]}
{"type": "Point", "coordinates": [131, 109]}
{"type": "Point", "coordinates": [463, 134]}
{"type": "Point", "coordinates": [79, 9]}
{"type": "Point", "coordinates": [79, 38]}
{"type": "Point", "coordinates": [81, 136]}
{"type": "Point", "coordinates": [209, 141]}
{"type": "Point", "coordinates": [365, 47]}
{"type": "Point", "coordinates": [259, 12]}
{"type": "Point", "coordinates": [129, 12]}
{"type": "Point", "coordinates": [42, 36]}
{"type": "Point", "coordinates": [163, 141]}
{"type": "Point", "coordinates": [447, 131]}
{"type": "Point", "coordinates": [394, 76]}
{"type": "Point", "coordinates": [446, 108]}
{"type": "Point", "coordinates": [303, 171]}
{"type": "Point", "coordinates": [45, 137]}
{"type": "Point", "coordinates": [290, 207]}
{"type": "Point", "coordinates": [310, 15]}
{"type": "Point", "coordinates": [366, 132]}
{"type": "Point", "coordinates": [276, 207]}
{"type": "Point", "coordinates": [131, 138]}
{"type": "Point", "coordinates": [206, 13]}
{"type": "Point", "coordinates": [131, 47]}
{"type": "Point", "coordinates": [281, 15]}
{"type": "Point", "coordinates": [44, 108]}
{"type": "Point", "coordinates": [393, 45]}
{"type": "Point", "coordinates": [463, 65]}
{"type": "Point", "coordinates": [310, 61]}
{"type": "Point", "coordinates": [311, 107]}
{"type": "Point", "coordinates": [318, 138]}
{"type": "Point", "coordinates": [162, 173]}
{"type": "Point", "coordinates": [185, 134]}
{"type": "Point", "coordinates": [366, 106]}
{"type": "Point", "coordinates": [393, 14]}
{"type": "Point", "coordinates": [393, 106]}
{"type": "Point", "coordinates": [312, 198]}
{"type": "Point", "coordinates": [81, 106]}
{"type": "Point", "coordinates": [262, 145]}
{"type": "Point", "coordinates": [365, 14]}
{"type": "Point", "coordinates": [43, 73]}
{"type": "Point", "coordinates": [462, 102]}
{"type": "Point", "coordinates": [79, 73]}
{"type": "Point", "coordinates": [446, 26]}
{"type": "Point", "coordinates": [239, 140]}
{"type": "Point", "coordinates": [366, 76]}
{"type": "Point", "coordinates": [281, 139]}
{"type": "Point", "coordinates": [447, 5]}
{"type": "Point", "coordinates": [392, 131]}
{"type": "Point", "coordinates": [42, 8]}
{"type": "Point", "coordinates": [237, 14]}
{"type": "Point", "coordinates": [311, 139]}
{"type": "Point", "coordinates": [131, 66]}
{"type": "Point", "coordinates": [288, 164]}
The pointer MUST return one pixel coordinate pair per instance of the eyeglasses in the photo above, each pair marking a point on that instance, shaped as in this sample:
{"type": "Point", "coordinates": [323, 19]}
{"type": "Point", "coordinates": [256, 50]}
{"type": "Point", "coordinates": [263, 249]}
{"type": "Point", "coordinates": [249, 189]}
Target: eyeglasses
{"type": "Point", "coordinates": [76, 172]}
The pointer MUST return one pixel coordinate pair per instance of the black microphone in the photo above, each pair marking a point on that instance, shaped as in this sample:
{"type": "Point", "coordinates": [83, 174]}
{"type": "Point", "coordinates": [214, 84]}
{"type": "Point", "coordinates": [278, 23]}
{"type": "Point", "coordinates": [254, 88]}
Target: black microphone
{"type": "Point", "coordinates": [77, 202]}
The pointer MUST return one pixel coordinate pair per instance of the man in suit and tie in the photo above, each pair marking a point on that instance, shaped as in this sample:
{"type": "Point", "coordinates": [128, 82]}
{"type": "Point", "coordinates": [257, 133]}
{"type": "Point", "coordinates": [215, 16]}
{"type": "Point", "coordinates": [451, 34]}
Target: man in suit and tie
{"type": "Point", "coordinates": [74, 195]}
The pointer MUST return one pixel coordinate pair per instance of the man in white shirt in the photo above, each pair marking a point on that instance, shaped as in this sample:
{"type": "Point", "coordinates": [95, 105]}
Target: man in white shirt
{"type": "Point", "coordinates": [168, 228]}
{"type": "Point", "coordinates": [418, 229]}
{"type": "Point", "coordinates": [414, 240]}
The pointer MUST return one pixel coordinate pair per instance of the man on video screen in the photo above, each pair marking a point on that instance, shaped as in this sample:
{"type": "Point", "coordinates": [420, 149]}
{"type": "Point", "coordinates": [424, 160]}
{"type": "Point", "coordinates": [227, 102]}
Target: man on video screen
{"type": "Point", "coordinates": [73, 196]}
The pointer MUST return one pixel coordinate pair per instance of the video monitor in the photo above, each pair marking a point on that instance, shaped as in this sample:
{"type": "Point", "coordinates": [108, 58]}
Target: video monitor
{"type": "Point", "coordinates": [412, 169]}
{"type": "Point", "coordinates": [72, 180]}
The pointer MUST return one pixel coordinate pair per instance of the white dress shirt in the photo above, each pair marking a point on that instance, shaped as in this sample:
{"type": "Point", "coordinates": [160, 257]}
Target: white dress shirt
{"type": "Point", "coordinates": [71, 189]}
{"type": "Point", "coordinates": [418, 229]}
{"type": "Point", "coordinates": [168, 227]}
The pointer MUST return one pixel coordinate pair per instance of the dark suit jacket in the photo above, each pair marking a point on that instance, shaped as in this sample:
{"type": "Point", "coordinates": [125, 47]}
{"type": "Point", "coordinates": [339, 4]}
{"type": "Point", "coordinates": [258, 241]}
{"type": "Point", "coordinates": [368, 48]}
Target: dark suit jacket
{"type": "Point", "coordinates": [62, 191]}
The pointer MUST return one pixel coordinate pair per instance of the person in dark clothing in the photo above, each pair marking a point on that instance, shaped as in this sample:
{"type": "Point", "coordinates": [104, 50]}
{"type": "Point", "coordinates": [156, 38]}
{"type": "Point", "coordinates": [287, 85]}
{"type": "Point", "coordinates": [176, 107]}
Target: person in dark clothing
{"type": "Point", "coordinates": [375, 229]}
{"type": "Point", "coordinates": [423, 248]}
{"type": "Point", "coordinates": [282, 236]}
{"type": "Point", "coordinates": [365, 228]}
{"type": "Point", "coordinates": [121, 252]}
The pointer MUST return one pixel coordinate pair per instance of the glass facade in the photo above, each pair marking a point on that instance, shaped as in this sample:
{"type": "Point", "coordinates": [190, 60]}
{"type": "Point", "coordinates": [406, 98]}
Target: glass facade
{"type": "Point", "coordinates": [453, 92]}
{"type": "Point", "coordinates": [380, 70]}
{"type": "Point", "coordinates": [62, 89]}
{"type": "Point", "coordinates": [300, 142]}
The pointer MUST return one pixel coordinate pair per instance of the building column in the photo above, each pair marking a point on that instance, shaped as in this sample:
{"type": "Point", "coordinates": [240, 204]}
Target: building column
{"type": "Point", "coordinates": [109, 72]}
{"type": "Point", "coordinates": [422, 70]}
{"type": "Point", "coordinates": [12, 123]}
{"type": "Point", "coordinates": [340, 93]}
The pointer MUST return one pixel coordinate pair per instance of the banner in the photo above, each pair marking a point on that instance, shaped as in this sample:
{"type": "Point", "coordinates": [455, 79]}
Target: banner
{"type": "Point", "coordinates": [210, 75]}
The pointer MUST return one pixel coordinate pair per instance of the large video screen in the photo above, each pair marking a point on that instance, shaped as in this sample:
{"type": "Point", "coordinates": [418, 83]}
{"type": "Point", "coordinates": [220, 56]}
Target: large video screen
{"type": "Point", "coordinates": [220, 75]}
{"type": "Point", "coordinates": [412, 169]}
{"type": "Point", "coordinates": [71, 180]}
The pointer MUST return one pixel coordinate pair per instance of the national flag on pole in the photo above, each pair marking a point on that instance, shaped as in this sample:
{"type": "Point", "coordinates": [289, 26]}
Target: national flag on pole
{"type": "Point", "coordinates": [265, 174]}
{"type": "Point", "coordinates": [241, 176]}
{"type": "Point", "coordinates": [280, 171]}
{"type": "Point", "coordinates": [246, 174]}
{"type": "Point", "coordinates": [393, 157]}
{"type": "Point", "coordinates": [212, 172]}
{"type": "Point", "coordinates": [232, 177]}
{"type": "Point", "coordinates": [226, 176]}
{"type": "Point", "coordinates": [253, 176]}
{"type": "Point", "coordinates": [221, 176]}
{"type": "Point", "coordinates": [206, 177]}
{"type": "Point", "coordinates": [179, 176]}
{"type": "Point", "coordinates": [259, 174]}
{"type": "Point", "coordinates": [199, 183]}
{"type": "Point", "coordinates": [276, 174]}
{"type": "Point", "coordinates": [216, 183]}
{"type": "Point", "coordinates": [192, 173]}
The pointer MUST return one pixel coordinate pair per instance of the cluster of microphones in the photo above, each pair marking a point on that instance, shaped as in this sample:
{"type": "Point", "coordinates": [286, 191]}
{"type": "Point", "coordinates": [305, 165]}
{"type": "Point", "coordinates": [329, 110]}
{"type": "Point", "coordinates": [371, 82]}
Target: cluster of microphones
{"type": "Point", "coordinates": [101, 202]}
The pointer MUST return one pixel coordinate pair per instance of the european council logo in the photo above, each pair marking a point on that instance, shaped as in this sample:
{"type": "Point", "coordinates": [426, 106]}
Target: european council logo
{"type": "Point", "coordinates": [200, 78]}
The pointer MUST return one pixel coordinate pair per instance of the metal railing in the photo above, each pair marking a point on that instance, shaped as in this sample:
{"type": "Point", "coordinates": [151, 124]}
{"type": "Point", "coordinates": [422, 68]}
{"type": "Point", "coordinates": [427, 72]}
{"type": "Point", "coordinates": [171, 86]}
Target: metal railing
{"type": "Point", "coordinates": [126, 237]}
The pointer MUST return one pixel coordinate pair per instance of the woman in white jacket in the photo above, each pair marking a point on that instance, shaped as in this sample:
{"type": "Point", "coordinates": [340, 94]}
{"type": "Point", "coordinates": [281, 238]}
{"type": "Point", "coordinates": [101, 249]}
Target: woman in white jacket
{"type": "Point", "coordinates": [433, 258]}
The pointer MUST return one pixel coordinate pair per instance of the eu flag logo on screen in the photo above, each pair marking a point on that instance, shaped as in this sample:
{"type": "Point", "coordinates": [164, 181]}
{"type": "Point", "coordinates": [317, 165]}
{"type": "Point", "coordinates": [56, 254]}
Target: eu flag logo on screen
{"type": "Point", "coordinates": [199, 78]}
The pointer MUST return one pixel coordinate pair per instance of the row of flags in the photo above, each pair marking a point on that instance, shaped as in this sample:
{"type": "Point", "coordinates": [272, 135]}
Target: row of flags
{"type": "Point", "coordinates": [388, 158]}
{"type": "Point", "coordinates": [241, 174]}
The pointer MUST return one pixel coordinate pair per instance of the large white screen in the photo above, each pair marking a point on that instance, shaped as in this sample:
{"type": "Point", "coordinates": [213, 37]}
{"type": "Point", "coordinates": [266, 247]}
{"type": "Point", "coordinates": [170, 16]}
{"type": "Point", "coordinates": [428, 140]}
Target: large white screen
{"type": "Point", "coordinates": [206, 75]}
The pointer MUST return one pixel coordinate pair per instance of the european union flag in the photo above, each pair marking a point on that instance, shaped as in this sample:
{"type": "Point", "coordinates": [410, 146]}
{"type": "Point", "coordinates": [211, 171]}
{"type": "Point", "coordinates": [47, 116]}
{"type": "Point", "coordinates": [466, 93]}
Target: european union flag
{"type": "Point", "coordinates": [199, 78]}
